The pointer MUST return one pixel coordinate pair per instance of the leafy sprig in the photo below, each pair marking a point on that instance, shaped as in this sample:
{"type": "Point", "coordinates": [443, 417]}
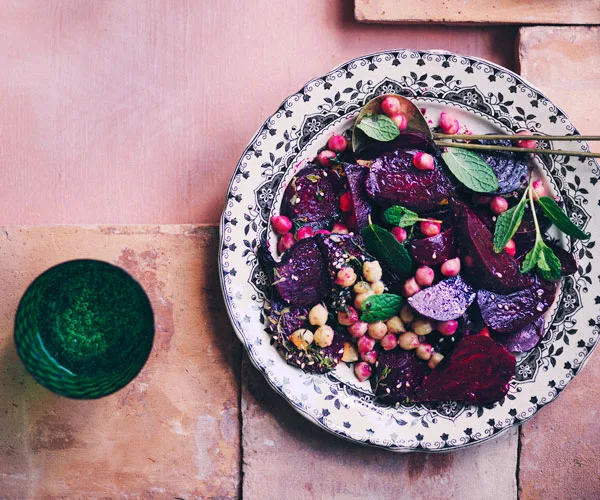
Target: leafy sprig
{"type": "Point", "coordinates": [471, 170]}
{"type": "Point", "coordinates": [379, 127]}
{"type": "Point", "coordinates": [403, 217]}
{"type": "Point", "coordinates": [387, 249]}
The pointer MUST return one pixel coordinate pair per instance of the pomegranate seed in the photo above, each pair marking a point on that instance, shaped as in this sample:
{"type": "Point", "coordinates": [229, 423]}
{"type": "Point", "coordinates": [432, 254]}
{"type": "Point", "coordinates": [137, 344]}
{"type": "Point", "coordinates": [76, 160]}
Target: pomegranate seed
{"type": "Point", "coordinates": [400, 120]}
{"type": "Point", "coordinates": [448, 124]}
{"type": "Point", "coordinates": [399, 233]}
{"type": "Point", "coordinates": [362, 371]}
{"type": "Point", "coordinates": [325, 157]}
{"type": "Point", "coordinates": [305, 232]}
{"type": "Point", "coordinates": [423, 161]}
{"type": "Point", "coordinates": [430, 228]}
{"type": "Point", "coordinates": [337, 143]}
{"type": "Point", "coordinates": [281, 224]}
{"type": "Point", "coordinates": [539, 188]}
{"type": "Point", "coordinates": [485, 331]}
{"type": "Point", "coordinates": [451, 267]}
{"type": "Point", "coordinates": [346, 202]}
{"type": "Point", "coordinates": [498, 205]}
{"type": "Point", "coordinates": [365, 344]}
{"type": "Point", "coordinates": [511, 248]}
{"type": "Point", "coordinates": [526, 143]}
{"type": "Point", "coordinates": [391, 106]}
{"type": "Point", "coordinates": [285, 242]}
{"type": "Point", "coordinates": [340, 229]}
{"type": "Point", "coordinates": [447, 327]}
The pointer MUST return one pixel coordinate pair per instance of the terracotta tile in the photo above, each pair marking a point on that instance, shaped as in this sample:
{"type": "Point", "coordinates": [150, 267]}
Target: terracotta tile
{"type": "Point", "coordinates": [559, 453]}
{"type": "Point", "coordinates": [478, 11]}
{"type": "Point", "coordinates": [172, 432]}
{"type": "Point", "coordinates": [285, 456]}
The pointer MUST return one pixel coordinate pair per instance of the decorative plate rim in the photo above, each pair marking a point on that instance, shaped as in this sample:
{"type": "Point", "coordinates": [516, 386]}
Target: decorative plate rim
{"type": "Point", "coordinates": [239, 330]}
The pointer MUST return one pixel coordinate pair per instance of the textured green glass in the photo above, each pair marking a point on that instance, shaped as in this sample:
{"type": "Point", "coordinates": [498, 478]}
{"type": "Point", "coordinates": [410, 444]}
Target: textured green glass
{"type": "Point", "coordinates": [84, 329]}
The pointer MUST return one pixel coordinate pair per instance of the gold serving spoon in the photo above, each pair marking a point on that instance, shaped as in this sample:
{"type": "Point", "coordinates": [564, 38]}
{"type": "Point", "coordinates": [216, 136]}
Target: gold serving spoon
{"type": "Point", "coordinates": [416, 122]}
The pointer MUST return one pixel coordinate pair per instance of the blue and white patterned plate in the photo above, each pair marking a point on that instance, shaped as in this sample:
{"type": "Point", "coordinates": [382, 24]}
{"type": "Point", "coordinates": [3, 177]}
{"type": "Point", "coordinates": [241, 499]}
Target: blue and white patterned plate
{"type": "Point", "coordinates": [486, 98]}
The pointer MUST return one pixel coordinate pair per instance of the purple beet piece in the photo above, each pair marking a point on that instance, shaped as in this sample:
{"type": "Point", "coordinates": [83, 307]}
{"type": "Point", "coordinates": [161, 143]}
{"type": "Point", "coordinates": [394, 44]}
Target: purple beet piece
{"type": "Point", "coordinates": [340, 250]}
{"type": "Point", "coordinates": [477, 371]}
{"type": "Point", "coordinates": [357, 176]}
{"type": "Point", "coordinates": [512, 169]}
{"type": "Point", "coordinates": [449, 299]}
{"type": "Point", "coordinates": [435, 250]}
{"type": "Point", "coordinates": [405, 372]}
{"type": "Point", "coordinates": [408, 139]}
{"type": "Point", "coordinates": [313, 198]}
{"type": "Point", "coordinates": [509, 313]}
{"type": "Point", "coordinates": [302, 277]}
{"type": "Point", "coordinates": [525, 339]}
{"type": "Point", "coordinates": [481, 265]}
{"type": "Point", "coordinates": [568, 264]}
{"type": "Point", "coordinates": [284, 320]}
{"type": "Point", "coordinates": [394, 180]}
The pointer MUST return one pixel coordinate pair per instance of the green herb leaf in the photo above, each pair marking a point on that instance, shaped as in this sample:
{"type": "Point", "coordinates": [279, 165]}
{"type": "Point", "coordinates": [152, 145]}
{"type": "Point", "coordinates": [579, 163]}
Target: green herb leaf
{"type": "Point", "coordinates": [401, 216]}
{"type": "Point", "coordinates": [380, 307]}
{"type": "Point", "coordinates": [507, 224]}
{"type": "Point", "coordinates": [543, 258]}
{"type": "Point", "coordinates": [379, 127]}
{"type": "Point", "coordinates": [383, 246]}
{"type": "Point", "coordinates": [560, 219]}
{"type": "Point", "coordinates": [471, 170]}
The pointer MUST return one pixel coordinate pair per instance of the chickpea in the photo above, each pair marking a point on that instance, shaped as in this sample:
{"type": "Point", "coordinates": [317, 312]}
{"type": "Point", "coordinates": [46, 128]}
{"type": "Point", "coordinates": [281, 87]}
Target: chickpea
{"type": "Point", "coordinates": [348, 317]}
{"type": "Point", "coordinates": [395, 325]}
{"type": "Point", "coordinates": [346, 277]}
{"type": "Point", "coordinates": [407, 314]}
{"type": "Point", "coordinates": [362, 287]}
{"type": "Point", "coordinates": [422, 326]}
{"type": "Point", "coordinates": [318, 315]}
{"type": "Point", "coordinates": [378, 287]}
{"type": "Point", "coordinates": [408, 341]}
{"type": "Point", "coordinates": [377, 330]}
{"type": "Point", "coordinates": [424, 352]}
{"type": "Point", "coordinates": [302, 338]}
{"type": "Point", "coordinates": [372, 271]}
{"type": "Point", "coordinates": [350, 353]}
{"type": "Point", "coordinates": [361, 297]}
{"type": "Point", "coordinates": [323, 336]}
{"type": "Point", "coordinates": [435, 359]}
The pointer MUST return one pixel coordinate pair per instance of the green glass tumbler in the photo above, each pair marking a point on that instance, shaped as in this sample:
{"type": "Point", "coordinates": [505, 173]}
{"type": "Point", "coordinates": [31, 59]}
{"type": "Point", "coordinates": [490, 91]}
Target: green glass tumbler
{"type": "Point", "coordinates": [84, 329]}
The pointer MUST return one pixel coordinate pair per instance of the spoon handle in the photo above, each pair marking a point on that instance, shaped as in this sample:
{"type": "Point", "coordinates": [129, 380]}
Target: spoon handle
{"type": "Point", "coordinates": [517, 150]}
{"type": "Point", "coordinates": [514, 137]}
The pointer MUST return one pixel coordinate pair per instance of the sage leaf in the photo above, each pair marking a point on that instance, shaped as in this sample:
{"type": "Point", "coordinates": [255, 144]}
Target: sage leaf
{"type": "Point", "coordinates": [385, 247]}
{"type": "Point", "coordinates": [560, 219]}
{"type": "Point", "coordinates": [401, 216]}
{"type": "Point", "coordinates": [379, 127]}
{"type": "Point", "coordinates": [471, 170]}
{"type": "Point", "coordinates": [507, 224]}
{"type": "Point", "coordinates": [380, 307]}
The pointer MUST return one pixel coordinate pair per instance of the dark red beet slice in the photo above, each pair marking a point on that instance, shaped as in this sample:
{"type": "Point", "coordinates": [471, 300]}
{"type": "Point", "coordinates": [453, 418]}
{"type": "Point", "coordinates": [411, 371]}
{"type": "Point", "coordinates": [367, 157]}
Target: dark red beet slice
{"type": "Point", "coordinates": [393, 179]}
{"type": "Point", "coordinates": [482, 266]}
{"type": "Point", "coordinates": [313, 198]}
{"type": "Point", "coordinates": [405, 372]}
{"type": "Point", "coordinates": [449, 299]}
{"type": "Point", "coordinates": [512, 169]}
{"type": "Point", "coordinates": [525, 339]}
{"type": "Point", "coordinates": [509, 313]}
{"type": "Point", "coordinates": [284, 320]}
{"type": "Point", "coordinates": [340, 250]}
{"type": "Point", "coordinates": [302, 277]}
{"type": "Point", "coordinates": [435, 250]}
{"type": "Point", "coordinates": [568, 264]}
{"type": "Point", "coordinates": [357, 176]}
{"type": "Point", "coordinates": [406, 140]}
{"type": "Point", "coordinates": [477, 371]}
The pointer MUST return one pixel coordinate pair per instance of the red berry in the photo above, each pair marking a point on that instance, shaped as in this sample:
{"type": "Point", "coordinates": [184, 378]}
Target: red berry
{"type": "Point", "coordinates": [448, 124]}
{"type": "Point", "coordinates": [424, 276]}
{"type": "Point", "coordinates": [339, 228]}
{"type": "Point", "coordinates": [447, 327]}
{"type": "Point", "coordinates": [526, 143]}
{"type": "Point", "coordinates": [451, 267]}
{"type": "Point", "coordinates": [322, 231]}
{"type": "Point", "coordinates": [370, 357]}
{"type": "Point", "coordinates": [346, 202]}
{"type": "Point", "coordinates": [325, 157]}
{"type": "Point", "coordinates": [305, 232]}
{"type": "Point", "coordinates": [337, 143]}
{"type": "Point", "coordinates": [430, 228]}
{"type": "Point", "coordinates": [539, 188]}
{"type": "Point", "coordinates": [400, 120]}
{"type": "Point", "coordinates": [362, 371]}
{"type": "Point", "coordinates": [511, 248]}
{"type": "Point", "coordinates": [485, 331]}
{"type": "Point", "coordinates": [389, 342]}
{"type": "Point", "coordinates": [498, 205]}
{"type": "Point", "coordinates": [285, 242]}
{"type": "Point", "coordinates": [358, 329]}
{"type": "Point", "coordinates": [399, 233]}
{"type": "Point", "coordinates": [391, 106]}
{"type": "Point", "coordinates": [365, 344]}
{"type": "Point", "coordinates": [281, 224]}
{"type": "Point", "coordinates": [423, 161]}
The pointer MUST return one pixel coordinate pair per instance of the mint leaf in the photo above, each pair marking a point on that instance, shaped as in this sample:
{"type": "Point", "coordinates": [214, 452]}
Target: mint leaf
{"type": "Point", "coordinates": [385, 247]}
{"type": "Point", "coordinates": [401, 216]}
{"type": "Point", "coordinates": [560, 219]}
{"type": "Point", "coordinates": [548, 264]}
{"type": "Point", "coordinates": [380, 307]}
{"type": "Point", "coordinates": [379, 127]}
{"type": "Point", "coordinates": [471, 170]}
{"type": "Point", "coordinates": [507, 224]}
{"type": "Point", "coordinates": [531, 258]}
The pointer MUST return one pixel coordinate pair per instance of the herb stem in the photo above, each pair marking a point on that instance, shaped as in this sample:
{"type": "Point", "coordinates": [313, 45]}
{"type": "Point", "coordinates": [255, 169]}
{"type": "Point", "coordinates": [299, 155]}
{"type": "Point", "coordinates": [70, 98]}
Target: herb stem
{"type": "Point", "coordinates": [538, 233]}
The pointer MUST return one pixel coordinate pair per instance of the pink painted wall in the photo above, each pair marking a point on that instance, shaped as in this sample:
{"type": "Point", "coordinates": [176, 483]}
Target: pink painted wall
{"type": "Point", "coordinates": [136, 111]}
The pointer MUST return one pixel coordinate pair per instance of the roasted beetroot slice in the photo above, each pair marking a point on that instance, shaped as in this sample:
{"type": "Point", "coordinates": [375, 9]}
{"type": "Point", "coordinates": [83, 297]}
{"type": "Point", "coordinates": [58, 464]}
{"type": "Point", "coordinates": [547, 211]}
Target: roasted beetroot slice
{"type": "Point", "coordinates": [406, 140]}
{"type": "Point", "coordinates": [525, 339]}
{"type": "Point", "coordinates": [509, 313]}
{"type": "Point", "coordinates": [302, 277]}
{"type": "Point", "coordinates": [404, 374]}
{"type": "Point", "coordinates": [283, 320]}
{"type": "Point", "coordinates": [512, 169]}
{"type": "Point", "coordinates": [568, 264]}
{"type": "Point", "coordinates": [340, 250]}
{"type": "Point", "coordinates": [357, 176]}
{"type": "Point", "coordinates": [477, 371]}
{"type": "Point", "coordinates": [435, 250]}
{"type": "Point", "coordinates": [447, 300]}
{"type": "Point", "coordinates": [482, 266]}
{"type": "Point", "coordinates": [313, 198]}
{"type": "Point", "coordinates": [394, 180]}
